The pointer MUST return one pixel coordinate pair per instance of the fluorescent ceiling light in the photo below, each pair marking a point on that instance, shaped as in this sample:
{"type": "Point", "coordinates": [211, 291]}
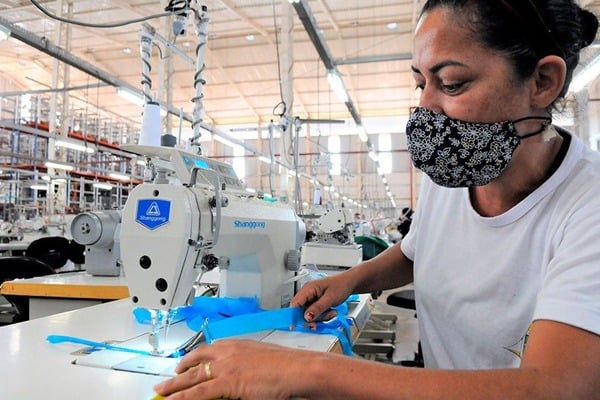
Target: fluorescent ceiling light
{"type": "Point", "coordinates": [130, 96]}
{"type": "Point", "coordinates": [264, 159]}
{"type": "Point", "coordinates": [337, 85]}
{"type": "Point", "coordinates": [585, 75]}
{"type": "Point", "coordinates": [39, 187]}
{"type": "Point", "coordinates": [362, 134]}
{"type": "Point", "coordinates": [4, 32]}
{"type": "Point", "coordinates": [74, 146]}
{"type": "Point", "coordinates": [224, 141]}
{"type": "Point", "coordinates": [120, 177]}
{"type": "Point", "coordinates": [55, 165]}
{"type": "Point", "coordinates": [250, 190]}
{"type": "Point", "coordinates": [103, 186]}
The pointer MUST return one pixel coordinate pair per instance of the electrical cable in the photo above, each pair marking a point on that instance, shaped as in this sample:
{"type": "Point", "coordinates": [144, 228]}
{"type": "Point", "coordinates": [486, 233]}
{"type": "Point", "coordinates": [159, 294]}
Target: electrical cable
{"type": "Point", "coordinates": [92, 25]}
{"type": "Point", "coordinates": [278, 66]}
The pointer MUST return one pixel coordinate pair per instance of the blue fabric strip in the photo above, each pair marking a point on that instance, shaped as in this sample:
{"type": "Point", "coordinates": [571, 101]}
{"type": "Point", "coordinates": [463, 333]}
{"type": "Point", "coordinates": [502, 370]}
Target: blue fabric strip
{"type": "Point", "coordinates": [91, 343]}
{"type": "Point", "coordinates": [281, 319]}
{"type": "Point", "coordinates": [220, 318]}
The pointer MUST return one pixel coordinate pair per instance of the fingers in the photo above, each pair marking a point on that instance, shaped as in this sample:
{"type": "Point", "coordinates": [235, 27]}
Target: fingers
{"type": "Point", "coordinates": [187, 379]}
{"type": "Point", "coordinates": [316, 310]}
{"type": "Point", "coordinates": [318, 297]}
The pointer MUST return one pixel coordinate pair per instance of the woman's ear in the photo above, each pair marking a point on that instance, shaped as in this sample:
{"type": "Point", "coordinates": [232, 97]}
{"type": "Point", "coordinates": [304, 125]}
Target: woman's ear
{"type": "Point", "coordinates": [548, 81]}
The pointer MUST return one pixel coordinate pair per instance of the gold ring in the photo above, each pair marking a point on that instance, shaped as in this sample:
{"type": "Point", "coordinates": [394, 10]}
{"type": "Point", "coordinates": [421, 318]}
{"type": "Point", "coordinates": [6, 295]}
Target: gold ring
{"type": "Point", "coordinates": [208, 371]}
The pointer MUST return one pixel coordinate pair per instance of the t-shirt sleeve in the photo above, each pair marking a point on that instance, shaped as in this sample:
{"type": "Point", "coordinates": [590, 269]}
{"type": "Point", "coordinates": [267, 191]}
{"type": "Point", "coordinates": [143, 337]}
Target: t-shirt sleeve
{"type": "Point", "coordinates": [570, 291]}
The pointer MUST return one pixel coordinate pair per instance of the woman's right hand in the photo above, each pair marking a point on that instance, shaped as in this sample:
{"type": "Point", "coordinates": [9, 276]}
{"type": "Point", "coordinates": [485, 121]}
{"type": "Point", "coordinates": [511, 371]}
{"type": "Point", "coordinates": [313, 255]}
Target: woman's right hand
{"type": "Point", "coordinates": [320, 295]}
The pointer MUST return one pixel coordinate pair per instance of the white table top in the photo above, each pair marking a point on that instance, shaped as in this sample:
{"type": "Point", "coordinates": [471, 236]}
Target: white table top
{"type": "Point", "coordinates": [15, 245]}
{"type": "Point", "coordinates": [32, 368]}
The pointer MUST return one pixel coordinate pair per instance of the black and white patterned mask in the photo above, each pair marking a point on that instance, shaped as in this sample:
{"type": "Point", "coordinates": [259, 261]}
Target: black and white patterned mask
{"type": "Point", "coordinates": [455, 153]}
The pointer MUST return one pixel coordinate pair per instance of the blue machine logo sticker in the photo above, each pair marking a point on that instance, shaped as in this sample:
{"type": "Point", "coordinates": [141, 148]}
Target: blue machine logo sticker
{"type": "Point", "coordinates": [249, 224]}
{"type": "Point", "coordinates": [153, 213]}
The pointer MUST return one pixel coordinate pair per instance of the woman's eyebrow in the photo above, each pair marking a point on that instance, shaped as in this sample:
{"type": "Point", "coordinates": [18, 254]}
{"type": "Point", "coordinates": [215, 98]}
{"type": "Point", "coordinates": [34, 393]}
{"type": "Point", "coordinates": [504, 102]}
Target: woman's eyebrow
{"type": "Point", "coordinates": [437, 67]}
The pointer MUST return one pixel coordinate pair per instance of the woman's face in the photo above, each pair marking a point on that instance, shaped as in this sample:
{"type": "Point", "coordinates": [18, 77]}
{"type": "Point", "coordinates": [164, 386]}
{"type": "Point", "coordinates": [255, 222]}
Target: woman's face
{"type": "Point", "coordinates": [460, 77]}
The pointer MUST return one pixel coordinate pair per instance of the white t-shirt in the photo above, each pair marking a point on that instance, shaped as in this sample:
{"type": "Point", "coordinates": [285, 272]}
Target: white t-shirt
{"type": "Point", "coordinates": [481, 281]}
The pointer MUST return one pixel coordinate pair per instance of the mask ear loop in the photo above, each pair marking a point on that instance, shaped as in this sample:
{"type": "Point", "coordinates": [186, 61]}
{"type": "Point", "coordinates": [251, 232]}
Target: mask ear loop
{"type": "Point", "coordinates": [547, 121]}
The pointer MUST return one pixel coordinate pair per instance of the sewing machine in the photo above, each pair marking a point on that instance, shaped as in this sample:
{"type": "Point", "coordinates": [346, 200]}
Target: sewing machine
{"type": "Point", "coordinates": [331, 244]}
{"type": "Point", "coordinates": [99, 231]}
{"type": "Point", "coordinates": [196, 216]}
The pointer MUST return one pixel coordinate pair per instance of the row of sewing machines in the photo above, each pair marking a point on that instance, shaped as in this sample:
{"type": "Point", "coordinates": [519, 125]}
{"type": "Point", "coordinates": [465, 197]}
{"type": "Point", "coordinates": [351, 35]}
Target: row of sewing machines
{"type": "Point", "coordinates": [193, 215]}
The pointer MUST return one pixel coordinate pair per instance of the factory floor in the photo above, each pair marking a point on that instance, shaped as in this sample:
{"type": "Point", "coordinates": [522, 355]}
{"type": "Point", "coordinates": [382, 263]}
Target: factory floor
{"type": "Point", "coordinates": [403, 346]}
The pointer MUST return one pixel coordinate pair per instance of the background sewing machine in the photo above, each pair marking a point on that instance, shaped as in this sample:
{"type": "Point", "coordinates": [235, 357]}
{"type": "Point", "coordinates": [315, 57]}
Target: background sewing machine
{"type": "Point", "coordinates": [196, 216]}
{"type": "Point", "coordinates": [99, 232]}
{"type": "Point", "coordinates": [330, 240]}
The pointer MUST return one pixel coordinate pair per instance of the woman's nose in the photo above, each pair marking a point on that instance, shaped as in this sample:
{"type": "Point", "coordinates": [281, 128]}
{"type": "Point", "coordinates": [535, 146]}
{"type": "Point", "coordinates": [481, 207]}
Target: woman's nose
{"type": "Point", "coordinates": [430, 99]}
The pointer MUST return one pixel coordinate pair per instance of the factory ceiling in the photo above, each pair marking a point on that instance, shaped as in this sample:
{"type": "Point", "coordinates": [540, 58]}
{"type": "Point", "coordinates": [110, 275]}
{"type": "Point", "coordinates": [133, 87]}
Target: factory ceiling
{"type": "Point", "coordinates": [253, 48]}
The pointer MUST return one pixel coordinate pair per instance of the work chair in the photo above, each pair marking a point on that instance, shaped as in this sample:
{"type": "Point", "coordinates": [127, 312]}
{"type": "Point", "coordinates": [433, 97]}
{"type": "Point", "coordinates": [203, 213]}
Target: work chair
{"type": "Point", "coordinates": [19, 267]}
{"type": "Point", "coordinates": [76, 252]}
{"type": "Point", "coordinates": [377, 337]}
{"type": "Point", "coordinates": [52, 250]}
{"type": "Point", "coordinates": [405, 298]}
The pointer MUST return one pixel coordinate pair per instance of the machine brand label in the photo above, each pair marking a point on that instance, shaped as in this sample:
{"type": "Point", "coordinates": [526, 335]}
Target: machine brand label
{"type": "Point", "coordinates": [249, 224]}
{"type": "Point", "coordinates": [153, 213]}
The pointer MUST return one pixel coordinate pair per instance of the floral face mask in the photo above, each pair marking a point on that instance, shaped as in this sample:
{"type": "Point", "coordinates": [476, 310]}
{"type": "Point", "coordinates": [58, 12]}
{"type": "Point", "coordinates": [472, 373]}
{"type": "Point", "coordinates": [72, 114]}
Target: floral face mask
{"type": "Point", "coordinates": [455, 153]}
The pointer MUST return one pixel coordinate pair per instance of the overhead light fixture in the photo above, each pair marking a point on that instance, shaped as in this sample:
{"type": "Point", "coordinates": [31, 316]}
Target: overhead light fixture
{"type": "Point", "coordinates": [373, 156]}
{"type": "Point", "coordinates": [4, 32]}
{"type": "Point", "coordinates": [130, 96]}
{"type": "Point", "coordinates": [250, 190]}
{"type": "Point", "coordinates": [337, 85]}
{"type": "Point", "coordinates": [585, 75]}
{"type": "Point", "coordinates": [362, 133]}
{"type": "Point", "coordinates": [224, 141]}
{"type": "Point", "coordinates": [74, 146]}
{"type": "Point", "coordinates": [39, 187]}
{"type": "Point", "coordinates": [55, 165]}
{"type": "Point", "coordinates": [103, 186]}
{"type": "Point", "coordinates": [120, 177]}
{"type": "Point", "coordinates": [264, 159]}
{"type": "Point", "coordinates": [250, 38]}
{"type": "Point", "coordinates": [392, 26]}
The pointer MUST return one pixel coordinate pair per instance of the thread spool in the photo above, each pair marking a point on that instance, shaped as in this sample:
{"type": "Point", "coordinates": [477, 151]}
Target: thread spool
{"type": "Point", "coordinates": [150, 131]}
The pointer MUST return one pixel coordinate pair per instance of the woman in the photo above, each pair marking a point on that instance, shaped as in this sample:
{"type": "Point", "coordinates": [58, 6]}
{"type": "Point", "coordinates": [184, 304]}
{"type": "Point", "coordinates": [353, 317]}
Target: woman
{"type": "Point", "coordinates": [504, 241]}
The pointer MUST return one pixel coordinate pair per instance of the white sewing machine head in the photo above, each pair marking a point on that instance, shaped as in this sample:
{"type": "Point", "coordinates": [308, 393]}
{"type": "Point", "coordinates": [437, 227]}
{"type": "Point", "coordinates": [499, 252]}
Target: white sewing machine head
{"type": "Point", "coordinates": [170, 232]}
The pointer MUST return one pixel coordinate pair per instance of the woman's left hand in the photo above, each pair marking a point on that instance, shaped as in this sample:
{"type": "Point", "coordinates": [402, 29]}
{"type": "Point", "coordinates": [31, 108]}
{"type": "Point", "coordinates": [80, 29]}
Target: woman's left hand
{"type": "Point", "coordinates": [237, 369]}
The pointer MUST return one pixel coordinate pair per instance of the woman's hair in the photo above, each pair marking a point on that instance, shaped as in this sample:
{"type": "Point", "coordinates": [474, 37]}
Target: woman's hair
{"type": "Point", "coordinates": [527, 30]}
